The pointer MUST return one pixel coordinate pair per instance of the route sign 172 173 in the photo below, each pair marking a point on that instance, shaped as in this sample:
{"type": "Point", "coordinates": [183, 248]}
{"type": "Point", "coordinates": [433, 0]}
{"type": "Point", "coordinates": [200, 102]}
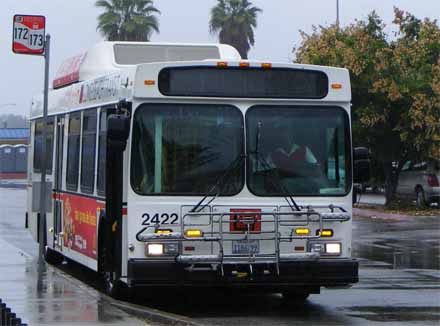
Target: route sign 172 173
{"type": "Point", "coordinates": [28, 34]}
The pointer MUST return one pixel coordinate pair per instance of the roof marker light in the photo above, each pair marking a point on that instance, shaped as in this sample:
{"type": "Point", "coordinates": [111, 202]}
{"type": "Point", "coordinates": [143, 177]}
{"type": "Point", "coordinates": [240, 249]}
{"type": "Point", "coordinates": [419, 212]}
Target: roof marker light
{"type": "Point", "coordinates": [222, 64]}
{"type": "Point", "coordinates": [244, 64]}
{"type": "Point", "coordinates": [149, 82]}
{"type": "Point", "coordinates": [266, 65]}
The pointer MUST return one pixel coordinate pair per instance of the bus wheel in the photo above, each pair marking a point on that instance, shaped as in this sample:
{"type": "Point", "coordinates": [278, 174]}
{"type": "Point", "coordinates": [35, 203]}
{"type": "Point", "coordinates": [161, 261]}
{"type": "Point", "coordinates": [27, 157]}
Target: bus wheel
{"type": "Point", "coordinates": [52, 257]}
{"type": "Point", "coordinates": [295, 297]}
{"type": "Point", "coordinates": [112, 286]}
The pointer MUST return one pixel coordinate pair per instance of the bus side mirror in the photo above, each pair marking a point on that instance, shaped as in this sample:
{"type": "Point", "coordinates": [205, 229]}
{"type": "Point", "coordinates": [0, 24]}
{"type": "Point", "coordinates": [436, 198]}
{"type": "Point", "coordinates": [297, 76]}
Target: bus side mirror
{"type": "Point", "coordinates": [118, 129]}
{"type": "Point", "coordinates": [361, 165]}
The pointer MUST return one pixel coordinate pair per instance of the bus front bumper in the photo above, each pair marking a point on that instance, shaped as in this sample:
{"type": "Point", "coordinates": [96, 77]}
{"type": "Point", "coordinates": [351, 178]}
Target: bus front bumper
{"type": "Point", "coordinates": [312, 274]}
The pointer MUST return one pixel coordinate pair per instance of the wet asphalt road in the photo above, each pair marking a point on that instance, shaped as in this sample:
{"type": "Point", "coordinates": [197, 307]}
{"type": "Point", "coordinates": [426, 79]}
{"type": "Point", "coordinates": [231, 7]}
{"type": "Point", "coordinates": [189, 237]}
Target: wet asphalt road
{"type": "Point", "coordinates": [372, 199]}
{"type": "Point", "coordinates": [399, 280]}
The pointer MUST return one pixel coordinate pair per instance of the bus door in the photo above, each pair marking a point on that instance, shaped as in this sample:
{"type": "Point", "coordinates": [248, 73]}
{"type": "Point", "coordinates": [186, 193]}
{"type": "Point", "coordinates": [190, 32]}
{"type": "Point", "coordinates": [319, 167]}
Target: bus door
{"type": "Point", "coordinates": [58, 182]}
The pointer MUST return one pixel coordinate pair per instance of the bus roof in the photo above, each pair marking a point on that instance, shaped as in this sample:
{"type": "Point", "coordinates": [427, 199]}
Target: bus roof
{"type": "Point", "coordinates": [107, 57]}
{"type": "Point", "coordinates": [106, 76]}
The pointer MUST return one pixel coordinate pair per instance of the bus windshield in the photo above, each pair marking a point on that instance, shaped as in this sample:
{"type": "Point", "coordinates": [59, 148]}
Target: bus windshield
{"type": "Point", "coordinates": [300, 151]}
{"type": "Point", "coordinates": [185, 148]}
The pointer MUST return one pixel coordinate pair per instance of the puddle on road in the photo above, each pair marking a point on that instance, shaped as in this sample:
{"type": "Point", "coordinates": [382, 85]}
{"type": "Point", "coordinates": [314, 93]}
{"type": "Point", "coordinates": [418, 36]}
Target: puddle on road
{"type": "Point", "coordinates": [396, 314]}
{"type": "Point", "coordinates": [401, 254]}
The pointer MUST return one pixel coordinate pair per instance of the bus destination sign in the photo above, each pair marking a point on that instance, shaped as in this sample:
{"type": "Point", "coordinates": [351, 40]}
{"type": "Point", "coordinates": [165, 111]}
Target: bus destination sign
{"type": "Point", "coordinates": [28, 34]}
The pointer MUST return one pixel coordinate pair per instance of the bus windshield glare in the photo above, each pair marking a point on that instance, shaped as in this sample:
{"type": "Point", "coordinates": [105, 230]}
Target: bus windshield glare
{"type": "Point", "coordinates": [301, 151]}
{"type": "Point", "coordinates": [184, 149]}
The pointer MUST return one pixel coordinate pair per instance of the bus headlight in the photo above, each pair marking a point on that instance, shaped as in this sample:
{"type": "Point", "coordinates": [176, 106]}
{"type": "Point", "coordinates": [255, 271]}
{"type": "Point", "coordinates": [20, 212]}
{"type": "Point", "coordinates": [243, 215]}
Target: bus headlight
{"type": "Point", "coordinates": [162, 249]}
{"type": "Point", "coordinates": [326, 248]}
{"type": "Point", "coordinates": [333, 248]}
{"type": "Point", "coordinates": [154, 249]}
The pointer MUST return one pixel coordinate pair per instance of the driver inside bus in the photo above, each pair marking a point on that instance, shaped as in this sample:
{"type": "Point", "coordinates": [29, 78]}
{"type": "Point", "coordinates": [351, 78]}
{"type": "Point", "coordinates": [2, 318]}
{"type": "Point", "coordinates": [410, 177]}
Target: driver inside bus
{"type": "Point", "coordinates": [291, 150]}
{"type": "Point", "coordinates": [294, 162]}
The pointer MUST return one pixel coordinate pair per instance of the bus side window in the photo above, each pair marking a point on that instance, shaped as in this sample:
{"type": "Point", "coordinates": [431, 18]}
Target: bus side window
{"type": "Point", "coordinates": [73, 151]}
{"type": "Point", "coordinates": [38, 145]}
{"type": "Point", "coordinates": [88, 151]}
{"type": "Point", "coordinates": [102, 149]}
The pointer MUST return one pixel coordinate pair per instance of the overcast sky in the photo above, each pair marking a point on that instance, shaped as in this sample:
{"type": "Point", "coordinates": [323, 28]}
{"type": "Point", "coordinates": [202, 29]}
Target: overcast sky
{"type": "Point", "coordinates": [72, 25]}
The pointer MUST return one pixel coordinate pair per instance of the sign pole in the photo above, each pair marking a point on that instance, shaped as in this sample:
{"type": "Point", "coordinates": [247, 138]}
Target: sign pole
{"type": "Point", "coordinates": [29, 37]}
{"type": "Point", "coordinates": [43, 195]}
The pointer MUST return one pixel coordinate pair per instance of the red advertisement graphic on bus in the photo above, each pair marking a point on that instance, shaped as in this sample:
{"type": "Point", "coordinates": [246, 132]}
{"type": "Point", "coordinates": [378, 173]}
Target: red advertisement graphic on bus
{"type": "Point", "coordinates": [68, 72]}
{"type": "Point", "coordinates": [80, 217]}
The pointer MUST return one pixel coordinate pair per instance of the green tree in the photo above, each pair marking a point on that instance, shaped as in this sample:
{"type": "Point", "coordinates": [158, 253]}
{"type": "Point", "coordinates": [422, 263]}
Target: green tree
{"type": "Point", "coordinates": [127, 20]}
{"type": "Point", "coordinates": [234, 21]}
{"type": "Point", "coordinates": [395, 86]}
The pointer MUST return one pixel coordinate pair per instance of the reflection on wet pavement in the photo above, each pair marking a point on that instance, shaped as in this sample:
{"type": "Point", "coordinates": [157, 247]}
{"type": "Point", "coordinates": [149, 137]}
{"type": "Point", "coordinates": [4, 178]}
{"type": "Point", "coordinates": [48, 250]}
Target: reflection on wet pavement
{"type": "Point", "coordinates": [401, 245]}
{"type": "Point", "coordinates": [388, 293]}
{"type": "Point", "coordinates": [397, 314]}
{"type": "Point", "coordinates": [401, 254]}
{"type": "Point", "coordinates": [41, 295]}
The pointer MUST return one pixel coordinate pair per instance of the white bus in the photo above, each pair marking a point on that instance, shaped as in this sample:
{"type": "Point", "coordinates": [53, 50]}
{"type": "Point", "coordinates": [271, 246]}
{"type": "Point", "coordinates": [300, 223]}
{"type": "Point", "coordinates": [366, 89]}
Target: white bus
{"type": "Point", "coordinates": [186, 166]}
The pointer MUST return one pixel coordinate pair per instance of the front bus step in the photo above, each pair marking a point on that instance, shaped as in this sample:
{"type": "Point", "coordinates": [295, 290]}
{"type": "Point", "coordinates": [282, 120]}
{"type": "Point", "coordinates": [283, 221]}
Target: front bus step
{"type": "Point", "coordinates": [245, 266]}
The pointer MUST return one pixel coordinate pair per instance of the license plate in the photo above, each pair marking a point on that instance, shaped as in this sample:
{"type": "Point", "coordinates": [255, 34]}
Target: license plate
{"type": "Point", "coordinates": [245, 247]}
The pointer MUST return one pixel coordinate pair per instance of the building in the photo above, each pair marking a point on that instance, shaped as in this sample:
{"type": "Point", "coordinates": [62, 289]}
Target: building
{"type": "Point", "coordinates": [13, 153]}
{"type": "Point", "coordinates": [14, 136]}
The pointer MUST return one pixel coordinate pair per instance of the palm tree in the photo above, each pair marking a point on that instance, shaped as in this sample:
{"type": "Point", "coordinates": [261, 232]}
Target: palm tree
{"type": "Point", "coordinates": [235, 21]}
{"type": "Point", "coordinates": [127, 20]}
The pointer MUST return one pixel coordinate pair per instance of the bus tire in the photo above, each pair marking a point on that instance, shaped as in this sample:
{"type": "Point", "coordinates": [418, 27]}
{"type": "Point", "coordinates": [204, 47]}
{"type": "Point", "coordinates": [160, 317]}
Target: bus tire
{"type": "Point", "coordinates": [296, 298]}
{"type": "Point", "coordinates": [52, 257]}
{"type": "Point", "coordinates": [112, 286]}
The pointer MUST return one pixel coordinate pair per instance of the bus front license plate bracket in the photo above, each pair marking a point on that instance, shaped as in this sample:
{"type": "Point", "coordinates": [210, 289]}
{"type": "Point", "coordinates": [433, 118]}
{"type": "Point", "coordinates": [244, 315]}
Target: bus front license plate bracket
{"type": "Point", "coordinates": [245, 247]}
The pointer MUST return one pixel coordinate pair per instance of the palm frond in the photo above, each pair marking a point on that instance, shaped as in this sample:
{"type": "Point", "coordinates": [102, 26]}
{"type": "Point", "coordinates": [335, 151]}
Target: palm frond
{"type": "Point", "coordinates": [127, 20]}
{"type": "Point", "coordinates": [234, 21]}
{"type": "Point", "coordinates": [104, 4]}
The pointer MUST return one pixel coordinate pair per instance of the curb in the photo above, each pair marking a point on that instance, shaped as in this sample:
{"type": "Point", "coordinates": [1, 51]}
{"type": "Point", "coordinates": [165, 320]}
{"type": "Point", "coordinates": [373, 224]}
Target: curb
{"type": "Point", "coordinates": [138, 311]}
{"type": "Point", "coordinates": [381, 215]}
{"type": "Point", "coordinates": [153, 315]}
{"type": "Point", "coordinates": [149, 314]}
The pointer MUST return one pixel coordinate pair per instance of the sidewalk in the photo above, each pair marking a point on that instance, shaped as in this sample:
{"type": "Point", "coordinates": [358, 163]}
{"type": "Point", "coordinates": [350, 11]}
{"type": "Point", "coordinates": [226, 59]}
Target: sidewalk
{"type": "Point", "coordinates": [49, 297]}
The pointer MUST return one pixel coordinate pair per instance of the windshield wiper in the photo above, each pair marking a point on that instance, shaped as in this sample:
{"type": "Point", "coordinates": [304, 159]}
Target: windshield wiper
{"type": "Point", "coordinates": [278, 184]}
{"type": "Point", "coordinates": [219, 184]}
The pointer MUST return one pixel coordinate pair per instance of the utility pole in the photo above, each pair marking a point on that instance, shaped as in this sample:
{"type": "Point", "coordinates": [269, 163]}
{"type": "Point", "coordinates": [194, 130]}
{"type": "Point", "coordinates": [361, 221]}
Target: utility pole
{"type": "Point", "coordinates": [337, 15]}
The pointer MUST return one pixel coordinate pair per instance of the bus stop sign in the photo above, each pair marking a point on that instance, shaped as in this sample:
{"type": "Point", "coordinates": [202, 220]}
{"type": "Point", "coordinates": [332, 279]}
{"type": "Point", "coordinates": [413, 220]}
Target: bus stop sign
{"type": "Point", "coordinates": [28, 34]}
